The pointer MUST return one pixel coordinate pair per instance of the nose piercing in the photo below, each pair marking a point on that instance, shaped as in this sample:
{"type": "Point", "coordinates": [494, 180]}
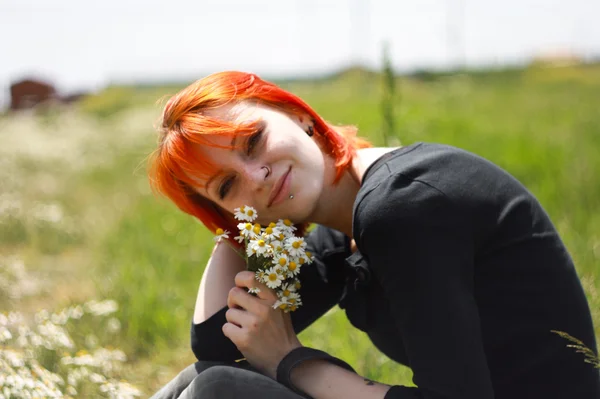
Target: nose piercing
{"type": "Point", "coordinates": [291, 196]}
{"type": "Point", "coordinates": [267, 169]}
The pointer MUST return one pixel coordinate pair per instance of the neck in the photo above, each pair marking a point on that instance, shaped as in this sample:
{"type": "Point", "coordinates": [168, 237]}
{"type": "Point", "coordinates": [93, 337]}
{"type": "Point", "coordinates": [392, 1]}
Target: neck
{"type": "Point", "coordinates": [335, 210]}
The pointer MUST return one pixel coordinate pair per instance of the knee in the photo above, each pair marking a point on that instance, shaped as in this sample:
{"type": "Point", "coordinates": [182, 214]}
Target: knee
{"type": "Point", "coordinates": [180, 383]}
{"type": "Point", "coordinates": [216, 382]}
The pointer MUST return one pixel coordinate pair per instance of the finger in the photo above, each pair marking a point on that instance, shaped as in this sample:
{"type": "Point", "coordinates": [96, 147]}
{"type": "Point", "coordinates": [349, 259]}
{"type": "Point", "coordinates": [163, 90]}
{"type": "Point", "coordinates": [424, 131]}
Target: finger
{"type": "Point", "coordinates": [247, 279]}
{"type": "Point", "coordinates": [239, 298]}
{"type": "Point", "coordinates": [239, 317]}
{"type": "Point", "coordinates": [235, 334]}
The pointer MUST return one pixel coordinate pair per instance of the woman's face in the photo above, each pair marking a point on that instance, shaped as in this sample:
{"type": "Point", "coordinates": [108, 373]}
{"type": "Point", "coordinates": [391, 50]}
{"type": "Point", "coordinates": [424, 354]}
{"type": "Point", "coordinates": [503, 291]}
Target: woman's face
{"type": "Point", "coordinates": [276, 161]}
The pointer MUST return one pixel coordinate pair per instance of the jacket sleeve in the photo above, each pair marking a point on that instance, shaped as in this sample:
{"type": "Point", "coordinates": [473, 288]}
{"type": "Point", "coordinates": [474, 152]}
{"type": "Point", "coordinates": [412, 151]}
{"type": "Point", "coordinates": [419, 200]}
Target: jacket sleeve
{"type": "Point", "coordinates": [322, 285]}
{"type": "Point", "coordinates": [420, 250]}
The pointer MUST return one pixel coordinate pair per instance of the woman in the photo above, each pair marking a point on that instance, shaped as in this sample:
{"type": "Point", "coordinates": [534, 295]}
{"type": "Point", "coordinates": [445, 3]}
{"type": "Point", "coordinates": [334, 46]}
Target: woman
{"type": "Point", "coordinates": [447, 262]}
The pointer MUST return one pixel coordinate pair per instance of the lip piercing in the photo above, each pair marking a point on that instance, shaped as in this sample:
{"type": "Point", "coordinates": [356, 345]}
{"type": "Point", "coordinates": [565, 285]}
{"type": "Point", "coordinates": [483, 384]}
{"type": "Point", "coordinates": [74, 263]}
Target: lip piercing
{"type": "Point", "coordinates": [291, 197]}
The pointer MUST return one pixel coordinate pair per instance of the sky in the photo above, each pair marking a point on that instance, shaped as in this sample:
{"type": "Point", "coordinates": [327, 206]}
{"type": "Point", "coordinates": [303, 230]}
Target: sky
{"type": "Point", "coordinates": [85, 45]}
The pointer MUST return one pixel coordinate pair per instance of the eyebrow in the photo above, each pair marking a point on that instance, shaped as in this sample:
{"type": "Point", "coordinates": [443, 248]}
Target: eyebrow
{"type": "Point", "coordinates": [220, 172]}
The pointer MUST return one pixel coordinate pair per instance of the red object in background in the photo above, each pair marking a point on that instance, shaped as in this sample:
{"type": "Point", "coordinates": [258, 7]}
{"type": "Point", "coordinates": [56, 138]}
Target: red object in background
{"type": "Point", "coordinates": [29, 93]}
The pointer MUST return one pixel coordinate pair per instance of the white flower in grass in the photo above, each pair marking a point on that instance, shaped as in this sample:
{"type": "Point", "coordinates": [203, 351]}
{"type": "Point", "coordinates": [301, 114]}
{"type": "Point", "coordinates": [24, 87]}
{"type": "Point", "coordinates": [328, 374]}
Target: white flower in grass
{"type": "Point", "coordinates": [245, 213]}
{"type": "Point", "coordinates": [295, 246]}
{"type": "Point", "coordinates": [220, 234]}
{"type": "Point", "coordinates": [5, 334]}
{"type": "Point", "coordinates": [272, 278]}
{"type": "Point", "coordinates": [259, 246]}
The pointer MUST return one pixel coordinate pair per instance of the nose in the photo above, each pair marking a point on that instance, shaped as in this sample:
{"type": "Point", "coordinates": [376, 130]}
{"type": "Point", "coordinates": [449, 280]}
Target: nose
{"type": "Point", "coordinates": [256, 174]}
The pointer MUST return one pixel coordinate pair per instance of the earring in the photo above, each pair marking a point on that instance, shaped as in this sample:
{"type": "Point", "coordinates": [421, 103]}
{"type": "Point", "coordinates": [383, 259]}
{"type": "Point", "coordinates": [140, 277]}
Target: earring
{"type": "Point", "coordinates": [311, 131]}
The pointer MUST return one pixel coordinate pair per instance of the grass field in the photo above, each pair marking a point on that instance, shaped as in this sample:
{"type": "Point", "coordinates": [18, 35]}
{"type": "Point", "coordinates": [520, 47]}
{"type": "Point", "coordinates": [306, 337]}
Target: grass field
{"type": "Point", "coordinates": [78, 221]}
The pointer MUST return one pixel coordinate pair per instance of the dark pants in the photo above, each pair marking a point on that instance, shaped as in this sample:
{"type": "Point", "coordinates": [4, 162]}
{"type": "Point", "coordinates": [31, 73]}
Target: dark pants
{"type": "Point", "coordinates": [217, 380]}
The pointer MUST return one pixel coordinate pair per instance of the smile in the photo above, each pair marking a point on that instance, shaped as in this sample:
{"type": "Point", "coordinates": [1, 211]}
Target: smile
{"type": "Point", "coordinates": [281, 189]}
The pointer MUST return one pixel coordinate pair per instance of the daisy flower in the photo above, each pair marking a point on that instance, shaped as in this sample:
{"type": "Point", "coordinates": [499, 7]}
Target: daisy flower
{"type": "Point", "coordinates": [245, 213]}
{"type": "Point", "coordinates": [276, 246]}
{"type": "Point", "coordinates": [259, 246]}
{"type": "Point", "coordinates": [250, 251]}
{"type": "Point", "coordinates": [271, 233]}
{"type": "Point", "coordinates": [221, 234]}
{"type": "Point", "coordinates": [257, 229]}
{"type": "Point", "coordinates": [246, 230]}
{"type": "Point", "coordinates": [273, 279]}
{"type": "Point", "coordinates": [254, 290]}
{"type": "Point", "coordinates": [260, 276]}
{"type": "Point", "coordinates": [286, 226]}
{"type": "Point", "coordinates": [293, 268]}
{"type": "Point", "coordinates": [280, 270]}
{"type": "Point", "coordinates": [295, 246]}
{"type": "Point", "coordinates": [281, 260]}
{"type": "Point", "coordinates": [286, 288]}
{"type": "Point", "coordinates": [239, 239]}
{"type": "Point", "coordinates": [294, 299]}
{"type": "Point", "coordinates": [281, 304]}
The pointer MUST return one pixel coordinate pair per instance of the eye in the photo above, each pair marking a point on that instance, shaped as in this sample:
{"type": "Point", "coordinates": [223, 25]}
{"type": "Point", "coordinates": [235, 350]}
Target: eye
{"type": "Point", "coordinates": [225, 187]}
{"type": "Point", "coordinates": [253, 141]}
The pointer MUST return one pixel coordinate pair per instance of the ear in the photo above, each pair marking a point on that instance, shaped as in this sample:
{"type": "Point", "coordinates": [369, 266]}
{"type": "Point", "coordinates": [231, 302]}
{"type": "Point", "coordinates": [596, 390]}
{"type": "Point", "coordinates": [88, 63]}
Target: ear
{"type": "Point", "coordinates": [304, 120]}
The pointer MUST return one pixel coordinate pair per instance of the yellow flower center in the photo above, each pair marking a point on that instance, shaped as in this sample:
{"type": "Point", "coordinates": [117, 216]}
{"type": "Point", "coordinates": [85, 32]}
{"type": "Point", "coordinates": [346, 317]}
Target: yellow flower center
{"type": "Point", "coordinates": [261, 243]}
{"type": "Point", "coordinates": [282, 306]}
{"type": "Point", "coordinates": [287, 222]}
{"type": "Point", "coordinates": [273, 277]}
{"type": "Point", "coordinates": [308, 253]}
{"type": "Point", "coordinates": [219, 231]}
{"type": "Point", "coordinates": [296, 244]}
{"type": "Point", "coordinates": [293, 308]}
{"type": "Point", "coordinates": [298, 285]}
{"type": "Point", "coordinates": [248, 226]}
{"type": "Point", "coordinates": [269, 230]}
{"type": "Point", "coordinates": [250, 212]}
{"type": "Point", "coordinates": [272, 224]}
{"type": "Point", "coordinates": [243, 209]}
{"type": "Point", "coordinates": [292, 266]}
{"type": "Point", "coordinates": [282, 261]}
{"type": "Point", "coordinates": [292, 300]}
{"type": "Point", "coordinates": [256, 228]}
{"type": "Point", "coordinates": [281, 237]}
{"type": "Point", "coordinates": [301, 260]}
{"type": "Point", "coordinates": [286, 292]}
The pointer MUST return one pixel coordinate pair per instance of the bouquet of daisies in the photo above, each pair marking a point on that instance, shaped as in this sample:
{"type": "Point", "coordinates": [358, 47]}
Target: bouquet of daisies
{"type": "Point", "coordinates": [274, 254]}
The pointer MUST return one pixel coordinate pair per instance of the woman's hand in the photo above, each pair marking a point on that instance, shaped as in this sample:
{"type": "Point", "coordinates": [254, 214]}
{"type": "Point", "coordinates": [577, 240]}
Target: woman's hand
{"type": "Point", "coordinates": [264, 335]}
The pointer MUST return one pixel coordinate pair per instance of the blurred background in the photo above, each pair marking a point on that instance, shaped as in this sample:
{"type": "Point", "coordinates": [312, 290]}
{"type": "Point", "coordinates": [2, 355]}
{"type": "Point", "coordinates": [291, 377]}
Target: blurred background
{"type": "Point", "coordinates": [98, 277]}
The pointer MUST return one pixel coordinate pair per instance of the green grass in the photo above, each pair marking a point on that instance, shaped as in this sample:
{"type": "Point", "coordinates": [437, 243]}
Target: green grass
{"type": "Point", "coordinates": [541, 125]}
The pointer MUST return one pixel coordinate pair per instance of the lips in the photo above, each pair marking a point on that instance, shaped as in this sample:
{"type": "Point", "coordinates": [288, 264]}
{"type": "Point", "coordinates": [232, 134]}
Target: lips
{"type": "Point", "coordinates": [277, 188]}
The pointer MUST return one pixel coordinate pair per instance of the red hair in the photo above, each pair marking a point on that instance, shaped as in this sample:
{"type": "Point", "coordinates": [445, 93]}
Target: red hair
{"type": "Point", "coordinates": [174, 169]}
